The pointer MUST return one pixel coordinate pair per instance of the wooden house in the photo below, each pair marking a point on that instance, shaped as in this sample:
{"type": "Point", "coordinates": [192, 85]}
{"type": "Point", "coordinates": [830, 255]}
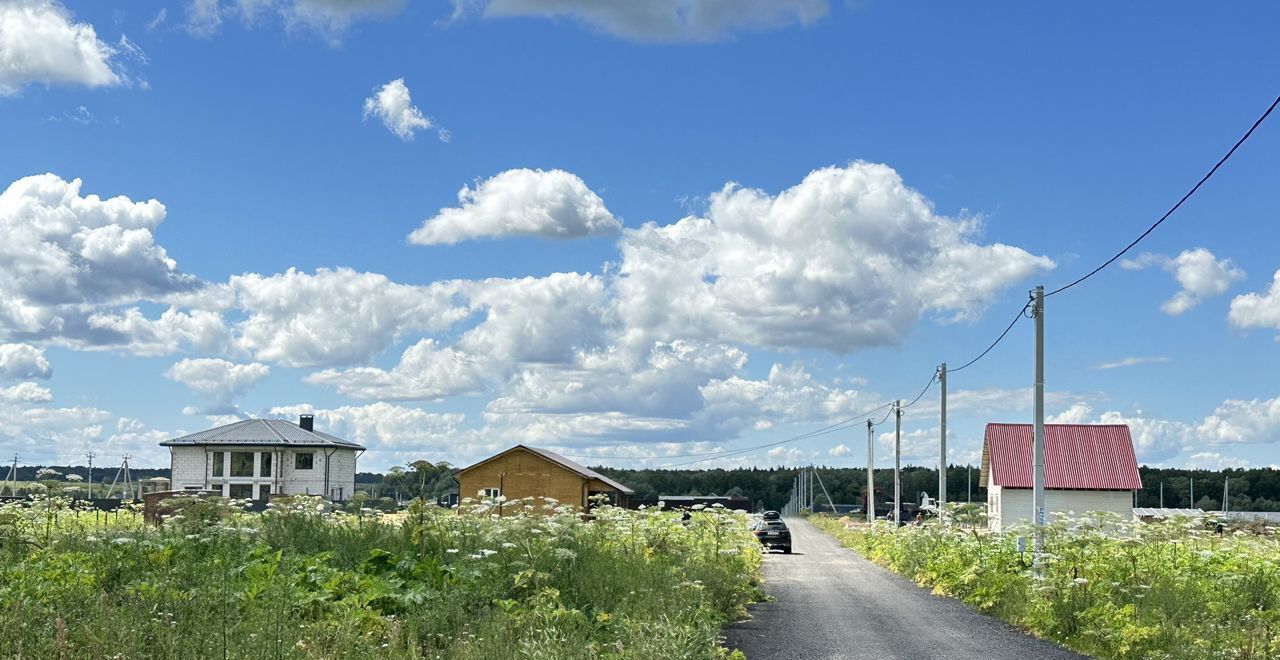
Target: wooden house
{"type": "Point", "coordinates": [532, 472]}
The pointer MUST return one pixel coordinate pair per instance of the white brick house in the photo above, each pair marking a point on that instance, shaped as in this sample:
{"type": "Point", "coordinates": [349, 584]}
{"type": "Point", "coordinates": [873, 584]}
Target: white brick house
{"type": "Point", "coordinates": [257, 458]}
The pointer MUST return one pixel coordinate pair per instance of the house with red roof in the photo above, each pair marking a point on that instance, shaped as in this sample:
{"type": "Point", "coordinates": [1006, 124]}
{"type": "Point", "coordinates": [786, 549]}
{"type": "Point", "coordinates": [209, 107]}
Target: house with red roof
{"type": "Point", "coordinates": [1087, 467]}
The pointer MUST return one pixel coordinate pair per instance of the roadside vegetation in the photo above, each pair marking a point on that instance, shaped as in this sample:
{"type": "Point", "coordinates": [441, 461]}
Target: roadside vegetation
{"type": "Point", "coordinates": [300, 581]}
{"type": "Point", "coordinates": [1109, 588]}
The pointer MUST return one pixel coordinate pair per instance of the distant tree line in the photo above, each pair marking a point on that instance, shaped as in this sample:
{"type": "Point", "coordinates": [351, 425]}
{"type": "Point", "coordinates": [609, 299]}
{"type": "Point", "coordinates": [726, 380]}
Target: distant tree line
{"type": "Point", "coordinates": [770, 488]}
{"type": "Point", "coordinates": [1253, 489]}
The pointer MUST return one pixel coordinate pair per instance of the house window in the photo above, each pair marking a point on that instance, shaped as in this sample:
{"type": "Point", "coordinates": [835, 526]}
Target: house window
{"type": "Point", "coordinates": [266, 464]}
{"type": "Point", "coordinates": [217, 464]}
{"type": "Point", "coordinates": [264, 491]}
{"type": "Point", "coordinates": [490, 492]}
{"type": "Point", "coordinates": [242, 464]}
{"type": "Point", "coordinates": [304, 461]}
{"type": "Point", "coordinates": [240, 491]}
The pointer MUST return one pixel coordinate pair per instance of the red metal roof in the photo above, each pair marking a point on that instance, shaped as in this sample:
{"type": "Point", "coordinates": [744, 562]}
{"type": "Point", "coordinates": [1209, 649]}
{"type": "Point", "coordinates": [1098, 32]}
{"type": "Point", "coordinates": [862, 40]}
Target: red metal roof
{"type": "Point", "coordinates": [1076, 456]}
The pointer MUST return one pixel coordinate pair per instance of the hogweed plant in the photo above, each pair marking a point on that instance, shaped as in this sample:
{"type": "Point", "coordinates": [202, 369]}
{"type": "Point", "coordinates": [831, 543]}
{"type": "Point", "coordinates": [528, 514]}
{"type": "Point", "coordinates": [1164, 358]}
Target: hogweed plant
{"type": "Point", "coordinates": [1109, 588]}
{"type": "Point", "coordinates": [303, 580]}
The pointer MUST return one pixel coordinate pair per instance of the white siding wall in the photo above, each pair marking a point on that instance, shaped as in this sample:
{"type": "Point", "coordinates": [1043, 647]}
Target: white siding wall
{"type": "Point", "coordinates": [1015, 504]}
{"type": "Point", "coordinates": [193, 466]}
{"type": "Point", "coordinates": [342, 473]}
{"type": "Point", "coordinates": [188, 467]}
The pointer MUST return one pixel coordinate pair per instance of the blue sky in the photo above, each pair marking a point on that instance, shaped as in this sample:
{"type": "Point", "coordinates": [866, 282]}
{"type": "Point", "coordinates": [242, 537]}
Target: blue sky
{"type": "Point", "coordinates": [902, 174]}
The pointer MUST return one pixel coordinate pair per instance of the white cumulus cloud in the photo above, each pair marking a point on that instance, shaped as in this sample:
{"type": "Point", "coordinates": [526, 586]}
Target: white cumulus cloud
{"type": "Point", "coordinates": [19, 361]}
{"type": "Point", "coordinates": [659, 20]}
{"type": "Point", "coordinates": [334, 317]}
{"type": "Point", "coordinates": [1257, 310]}
{"type": "Point", "coordinates": [65, 254]}
{"type": "Point", "coordinates": [392, 105]}
{"type": "Point", "coordinates": [27, 392]}
{"type": "Point", "coordinates": [426, 371]}
{"type": "Point", "coordinates": [521, 202]}
{"type": "Point", "coordinates": [1200, 274]}
{"type": "Point", "coordinates": [847, 259]}
{"type": "Point", "coordinates": [217, 380]}
{"type": "Point", "coordinates": [41, 43]}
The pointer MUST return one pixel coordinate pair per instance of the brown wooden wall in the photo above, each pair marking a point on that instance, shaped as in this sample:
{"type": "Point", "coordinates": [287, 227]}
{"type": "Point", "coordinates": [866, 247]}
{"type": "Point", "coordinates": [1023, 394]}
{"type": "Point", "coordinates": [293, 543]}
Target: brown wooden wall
{"type": "Point", "coordinates": [523, 473]}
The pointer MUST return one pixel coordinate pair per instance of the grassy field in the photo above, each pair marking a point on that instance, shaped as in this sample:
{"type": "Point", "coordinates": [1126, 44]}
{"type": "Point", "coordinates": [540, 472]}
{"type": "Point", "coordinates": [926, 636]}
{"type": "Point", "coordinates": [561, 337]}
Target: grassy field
{"type": "Point", "coordinates": [1109, 588]}
{"type": "Point", "coordinates": [301, 582]}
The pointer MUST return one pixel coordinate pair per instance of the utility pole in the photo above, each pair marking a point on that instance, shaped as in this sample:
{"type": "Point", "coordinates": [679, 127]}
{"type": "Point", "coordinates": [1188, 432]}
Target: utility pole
{"type": "Point", "coordinates": [813, 496]}
{"type": "Point", "coordinates": [1161, 494]}
{"type": "Point", "coordinates": [1193, 492]}
{"type": "Point", "coordinates": [126, 486]}
{"type": "Point", "coordinates": [897, 462]}
{"type": "Point", "coordinates": [824, 491]}
{"type": "Point", "coordinates": [12, 479]}
{"type": "Point", "coordinates": [942, 465]}
{"type": "Point", "coordinates": [1037, 497]}
{"type": "Point", "coordinates": [1226, 494]}
{"type": "Point", "coordinates": [870, 500]}
{"type": "Point", "coordinates": [800, 480]}
{"type": "Point", "coordinates": [90, 455]}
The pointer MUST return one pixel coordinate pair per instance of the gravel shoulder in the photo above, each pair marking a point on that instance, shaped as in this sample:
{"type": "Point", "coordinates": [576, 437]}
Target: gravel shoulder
{"type": "Point", "coordinates": [830, 603]}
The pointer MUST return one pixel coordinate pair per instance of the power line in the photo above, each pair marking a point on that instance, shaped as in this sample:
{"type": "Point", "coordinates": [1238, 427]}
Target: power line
{"type": "Point", "coordinates": [926, 389]}
{"type": "Point", "coordinates": [838, 426]}
{"type": "Point", "coordinates": [1175, 207]}
{"type": "Point", "coordinates": [983, 354]}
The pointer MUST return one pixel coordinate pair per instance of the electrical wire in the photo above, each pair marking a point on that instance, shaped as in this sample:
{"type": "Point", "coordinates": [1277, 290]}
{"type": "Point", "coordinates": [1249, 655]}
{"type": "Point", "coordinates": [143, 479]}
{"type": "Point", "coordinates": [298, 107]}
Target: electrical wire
{"type": "Point", "coordinates": [983, 354]}
{"type": "Point", "coordinates": [926, 389]}
{"type": "Point", "coordinates": [1175, 207]}
{"type": "Point", "coordinates": [838, 426]}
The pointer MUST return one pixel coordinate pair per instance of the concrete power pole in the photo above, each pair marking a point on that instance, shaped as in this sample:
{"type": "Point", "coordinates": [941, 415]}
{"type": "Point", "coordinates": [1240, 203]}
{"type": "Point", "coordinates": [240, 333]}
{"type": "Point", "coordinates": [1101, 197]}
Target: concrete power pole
{"type": "Point", "coordinates": [942, 465]}
{"type": "Point", "coordinates": [11, 481]}
{"type": "Point", "coordinates": [90, 455]}
{"type": "Point", "coordinates": [897, 462]}
{"type": "Point", "coordinates": [871, 471]}
{"type": "Point", "coordinates": [800, 479]}
{"type": "Point", "coordinates": [813, 495]}
{"type": "Point", "coordinates": [1037, 497]}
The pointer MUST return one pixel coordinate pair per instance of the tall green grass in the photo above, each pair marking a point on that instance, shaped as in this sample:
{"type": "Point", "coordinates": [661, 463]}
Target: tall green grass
{"type": "Point", "coordinates": [301, 582]}
{"type": "Point", "coordinates": [1108, 588]}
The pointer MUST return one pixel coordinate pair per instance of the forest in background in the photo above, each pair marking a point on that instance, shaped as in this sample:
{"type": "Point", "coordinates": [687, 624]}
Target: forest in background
{"type": "Point", "coordinates": [1251, 489]}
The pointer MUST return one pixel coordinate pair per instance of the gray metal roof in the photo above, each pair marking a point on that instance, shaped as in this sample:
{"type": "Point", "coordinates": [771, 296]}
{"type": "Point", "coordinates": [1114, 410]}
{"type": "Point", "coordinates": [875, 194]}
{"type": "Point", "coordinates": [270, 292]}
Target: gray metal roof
{"type": "Point", "coordinates": [267, 432]}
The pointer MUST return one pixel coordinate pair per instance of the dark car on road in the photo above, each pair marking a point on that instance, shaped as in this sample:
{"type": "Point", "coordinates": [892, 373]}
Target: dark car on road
{"type": "Point", "coordinates": [773, 534]}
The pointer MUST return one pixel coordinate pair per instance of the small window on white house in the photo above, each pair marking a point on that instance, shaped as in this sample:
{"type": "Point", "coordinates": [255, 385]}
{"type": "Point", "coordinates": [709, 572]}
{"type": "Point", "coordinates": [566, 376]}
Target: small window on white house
{"type": "Point", "coordinates": [266, 464]}
{"type": "Point", "coordinates": [304, 461]}
{"type": "Point", "coordinates": [242, 464]}
{"type": "Point", "coordinates": [240, 491]}
{"type": "Point", "coordinates": [217, 464]}
{"type": "Point", "coordinates": [490, 493]}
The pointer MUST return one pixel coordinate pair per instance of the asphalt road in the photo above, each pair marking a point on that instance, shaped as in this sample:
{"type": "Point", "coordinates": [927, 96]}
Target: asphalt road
{"type": "Point", "coordinates": [833, 604]}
